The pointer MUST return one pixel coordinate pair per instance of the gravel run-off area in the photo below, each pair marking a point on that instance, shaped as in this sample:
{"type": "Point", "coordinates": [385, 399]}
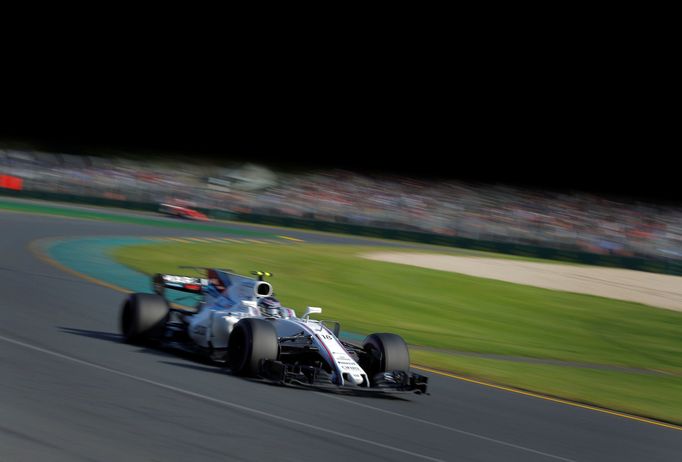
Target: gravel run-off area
{"type": "Point", "coordinates": [659, 290]}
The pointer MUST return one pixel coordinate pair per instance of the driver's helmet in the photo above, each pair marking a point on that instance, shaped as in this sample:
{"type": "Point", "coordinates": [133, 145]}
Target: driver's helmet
{"type": "Point", "coordinates": [269, 306]}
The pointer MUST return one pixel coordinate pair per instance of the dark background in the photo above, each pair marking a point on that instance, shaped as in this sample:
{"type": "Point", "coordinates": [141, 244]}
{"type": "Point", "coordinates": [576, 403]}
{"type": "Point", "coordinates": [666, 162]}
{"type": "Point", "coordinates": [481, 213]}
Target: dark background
{"type": "Point", "coordinates": [570, 128]}
{"type": "Point", "coordinates": [549, 99]}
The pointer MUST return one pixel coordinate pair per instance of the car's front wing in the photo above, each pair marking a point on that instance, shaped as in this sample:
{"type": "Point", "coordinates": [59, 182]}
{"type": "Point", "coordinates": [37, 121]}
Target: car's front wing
{"type": "Point", "coordinates": [314, 377]}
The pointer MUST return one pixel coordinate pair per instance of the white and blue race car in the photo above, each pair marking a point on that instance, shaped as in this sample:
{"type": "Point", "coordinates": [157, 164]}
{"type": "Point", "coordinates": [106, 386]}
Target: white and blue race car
{"type": "Point", "coordinates": [239, 323]}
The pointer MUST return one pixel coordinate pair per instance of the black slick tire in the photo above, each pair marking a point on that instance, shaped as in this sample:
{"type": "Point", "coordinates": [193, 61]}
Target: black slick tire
{"type": "Point", "coordinates": [251, 341]}
{"type": "Point", "coordinates": [385, 352]}
{"type": "Point", "coordinates": [143, 317]}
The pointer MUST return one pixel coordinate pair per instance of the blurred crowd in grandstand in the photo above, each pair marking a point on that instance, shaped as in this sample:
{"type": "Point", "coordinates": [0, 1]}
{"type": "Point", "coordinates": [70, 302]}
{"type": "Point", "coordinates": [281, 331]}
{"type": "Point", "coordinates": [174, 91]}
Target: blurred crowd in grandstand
{"type": "Point", "coordinates": [571, 220]}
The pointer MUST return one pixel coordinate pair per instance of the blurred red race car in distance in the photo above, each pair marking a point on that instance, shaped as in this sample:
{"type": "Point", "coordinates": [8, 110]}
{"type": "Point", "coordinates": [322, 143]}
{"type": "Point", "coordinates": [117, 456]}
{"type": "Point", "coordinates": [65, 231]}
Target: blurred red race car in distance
{"type": "Point", "coordinates": [182, 211]}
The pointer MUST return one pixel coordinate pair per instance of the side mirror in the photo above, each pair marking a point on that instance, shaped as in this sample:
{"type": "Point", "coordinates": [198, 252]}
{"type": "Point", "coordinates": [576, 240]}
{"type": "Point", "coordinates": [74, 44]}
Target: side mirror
{"type": "Point", "coordinates": [311, 310]}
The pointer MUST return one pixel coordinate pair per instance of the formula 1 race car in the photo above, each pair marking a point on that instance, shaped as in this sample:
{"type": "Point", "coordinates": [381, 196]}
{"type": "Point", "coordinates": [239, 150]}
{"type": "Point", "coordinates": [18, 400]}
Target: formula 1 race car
{"type": "Point", "coordinates": [239, 323]}
{"type": "Point", "coordinates": [181, 211]}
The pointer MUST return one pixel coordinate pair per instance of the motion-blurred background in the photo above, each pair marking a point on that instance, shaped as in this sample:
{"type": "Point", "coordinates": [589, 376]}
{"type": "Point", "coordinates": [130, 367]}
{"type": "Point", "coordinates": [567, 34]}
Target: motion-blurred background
{"type": "Point", "coordinates": [565, 162]}
{"type": "Point", "coordinates": [430, 193]}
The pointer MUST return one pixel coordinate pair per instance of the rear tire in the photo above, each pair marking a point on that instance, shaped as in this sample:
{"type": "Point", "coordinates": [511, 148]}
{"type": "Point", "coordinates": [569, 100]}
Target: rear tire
{"type": "Point", "coordinates": [385, 352]}
{"type": "Point", "coordinates": [251, 341]}
{"type": "Point", "coordinates": [143, 317]}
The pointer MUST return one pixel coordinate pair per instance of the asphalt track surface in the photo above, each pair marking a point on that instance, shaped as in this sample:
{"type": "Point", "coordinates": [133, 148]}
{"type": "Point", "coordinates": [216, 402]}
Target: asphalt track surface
{"type": "Point", "coordinates": [70, 390]}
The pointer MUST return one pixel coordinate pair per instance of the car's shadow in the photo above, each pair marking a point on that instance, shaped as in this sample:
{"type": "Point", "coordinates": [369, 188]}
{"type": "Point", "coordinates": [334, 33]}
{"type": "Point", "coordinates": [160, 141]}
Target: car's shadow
{"type": "Point", "coordinates": [206, 365]}
{"type": "Point", "coordinates": [149, 347]}
{"type": "Point", "coordinates": [111, 336]}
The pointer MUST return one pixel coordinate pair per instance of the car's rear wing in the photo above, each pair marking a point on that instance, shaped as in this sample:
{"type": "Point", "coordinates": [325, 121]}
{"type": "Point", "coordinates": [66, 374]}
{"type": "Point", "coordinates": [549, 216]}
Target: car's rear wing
{"type": "Point", "coordinates": [244, 288]}
{"type": "Point", "coordinates": [160, 282]}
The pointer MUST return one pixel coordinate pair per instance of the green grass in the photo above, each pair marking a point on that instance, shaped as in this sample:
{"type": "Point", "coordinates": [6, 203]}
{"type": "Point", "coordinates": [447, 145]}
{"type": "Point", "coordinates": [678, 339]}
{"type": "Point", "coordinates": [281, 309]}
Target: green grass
{"type": "Point", "coordinates": [462, 313]}
{"type": "Point", "coordinates": [656, 396]}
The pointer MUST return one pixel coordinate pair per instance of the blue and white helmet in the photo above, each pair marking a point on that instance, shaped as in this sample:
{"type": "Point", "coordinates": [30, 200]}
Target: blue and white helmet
{"type": "Point", "coordinates": [269, 306]}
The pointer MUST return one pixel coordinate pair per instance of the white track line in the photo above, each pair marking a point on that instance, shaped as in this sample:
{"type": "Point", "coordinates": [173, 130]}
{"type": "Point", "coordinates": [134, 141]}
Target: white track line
{"type": "Point", "coordinates": [445, 427]}
{"type": "Point", "coordinates": [219, 401]}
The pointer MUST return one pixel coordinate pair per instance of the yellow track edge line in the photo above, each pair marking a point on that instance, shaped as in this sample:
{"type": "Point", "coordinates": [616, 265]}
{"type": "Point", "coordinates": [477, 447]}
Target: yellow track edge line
{"type": "Point", "coordinates": [291, 238]}
{"type": "Point", "coordinates": [35, 249]}
{"type": "Point", "coordinates": [550, 398]}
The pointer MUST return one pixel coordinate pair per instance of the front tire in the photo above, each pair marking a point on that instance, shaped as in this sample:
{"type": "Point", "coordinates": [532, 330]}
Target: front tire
{"type": "Point", "coordinates": [143, 317]}
{"type": "Point", "coordinates": [251, 341]}
{"type": "Point", "coordinates": [385, 352]}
